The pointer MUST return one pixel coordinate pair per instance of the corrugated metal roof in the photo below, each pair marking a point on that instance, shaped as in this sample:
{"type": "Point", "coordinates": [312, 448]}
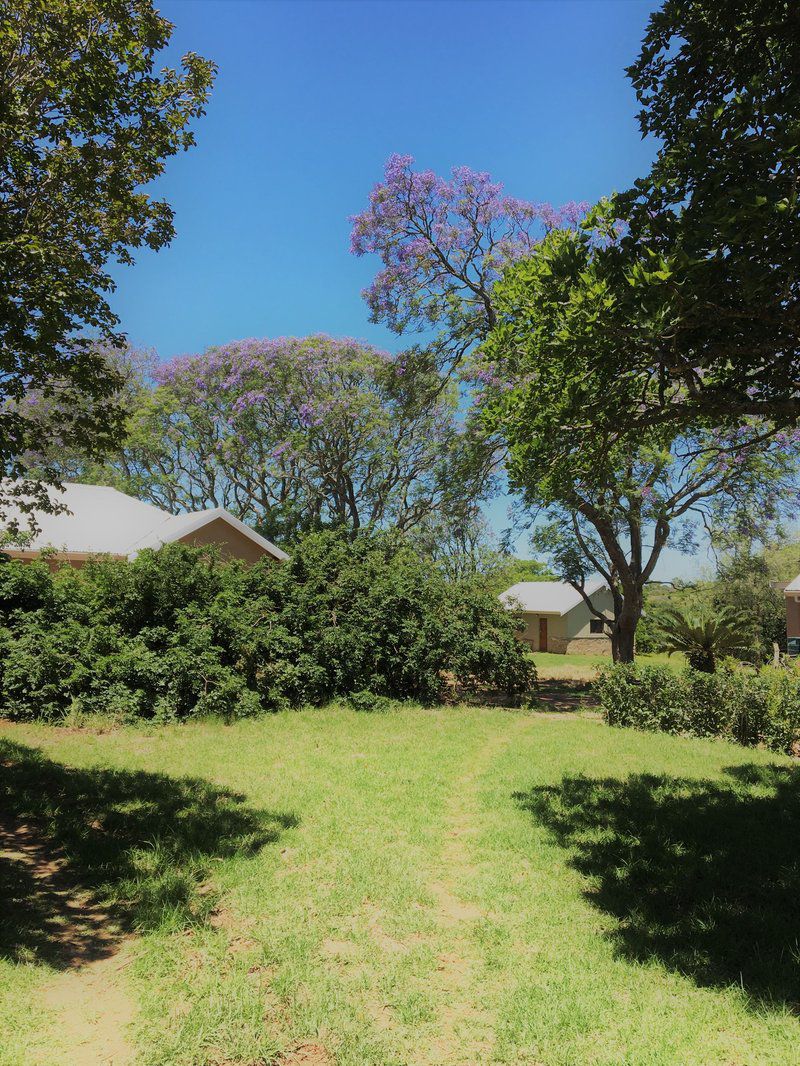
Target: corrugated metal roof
{"type": "Point", "coordinates": [101, 520]}
{"type": "Point", "coordinates": [547, 597]}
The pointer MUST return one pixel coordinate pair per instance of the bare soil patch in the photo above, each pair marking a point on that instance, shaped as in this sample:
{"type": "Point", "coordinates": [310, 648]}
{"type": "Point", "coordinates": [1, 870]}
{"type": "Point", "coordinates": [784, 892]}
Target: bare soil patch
{"type": "Point", "coordinates": [74, 928]}
{"type": "Point", "coordinates": [564, 695]}
{"type": "Point", "coordinates": [308, 1054]}
{"type": "Point", "coordinates": [75, 935]}
{"type": "Point", "coordinates": [464, 1030]}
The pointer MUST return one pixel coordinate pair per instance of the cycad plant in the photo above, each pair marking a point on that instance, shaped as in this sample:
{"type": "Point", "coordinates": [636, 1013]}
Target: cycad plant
{"type": "Point", "coordinates": [703, 636]}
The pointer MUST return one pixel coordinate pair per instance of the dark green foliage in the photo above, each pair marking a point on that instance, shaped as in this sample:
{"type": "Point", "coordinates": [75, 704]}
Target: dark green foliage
{"type": "Point", "coordinates": [368, 702]}
{"type": "Point", "coordinates": [744, 584]}
{"type": "Point", "coordinates": [703, 637]}
{"type": "Point", "coordinates": [177, 632]}
{"type": "Point", "coordinates": [87, 121]}
{"type": "Point", "coordinates": [738, 705]}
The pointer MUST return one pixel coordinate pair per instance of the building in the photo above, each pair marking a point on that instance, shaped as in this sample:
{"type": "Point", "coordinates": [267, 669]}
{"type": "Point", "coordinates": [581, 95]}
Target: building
{"type": "Point", "coordinates": [558, 619]}
{"type": "Point", "coordinates": [103, 521]}
{"type": "Point", "coordinates": [791, 594]}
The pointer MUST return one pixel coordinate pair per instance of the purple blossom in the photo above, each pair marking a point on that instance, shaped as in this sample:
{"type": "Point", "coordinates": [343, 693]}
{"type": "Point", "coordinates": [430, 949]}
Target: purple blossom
{"type": "Point", "coordinates": [431, 234]}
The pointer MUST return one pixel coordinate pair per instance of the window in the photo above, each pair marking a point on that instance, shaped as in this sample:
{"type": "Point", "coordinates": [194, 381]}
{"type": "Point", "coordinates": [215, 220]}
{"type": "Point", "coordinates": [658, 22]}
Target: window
{"type": "Point", "coordinates": [596, 625]}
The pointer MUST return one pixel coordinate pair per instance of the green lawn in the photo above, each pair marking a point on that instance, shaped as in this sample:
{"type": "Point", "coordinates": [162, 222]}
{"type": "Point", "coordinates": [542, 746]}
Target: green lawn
{"type": "Point", "coordinates": [449, 886]}
{"type": "Point", "coordinates": [585, 667]}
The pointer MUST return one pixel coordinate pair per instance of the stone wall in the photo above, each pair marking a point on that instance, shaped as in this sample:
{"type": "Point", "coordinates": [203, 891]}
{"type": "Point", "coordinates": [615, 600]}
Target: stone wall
{"type": "Point", "coordinates": [588, 646]}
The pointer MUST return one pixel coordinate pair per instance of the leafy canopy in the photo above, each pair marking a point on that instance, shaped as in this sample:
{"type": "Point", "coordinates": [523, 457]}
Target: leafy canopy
{"type": "Point", "coordinates": [293, 434]}
{"type": "Point", "coordinates": [692, 311]}
{"type": "Point", "coordinates": [87, 122]}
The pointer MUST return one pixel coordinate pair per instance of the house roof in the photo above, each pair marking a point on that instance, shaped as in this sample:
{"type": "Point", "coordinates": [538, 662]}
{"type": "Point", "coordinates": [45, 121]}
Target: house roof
{"type": "Point", "coordinates": [793, 586]}
{"type": "Point", "coordinates": [101, 520]}
{"type": "Point", "coordinates": [547, 597]}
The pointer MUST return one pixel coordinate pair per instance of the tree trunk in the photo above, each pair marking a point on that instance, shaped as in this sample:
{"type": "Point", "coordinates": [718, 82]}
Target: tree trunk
{"type": "Point", "coordinates": [626, 638]}
{"type": "Point", "coordinates": [623, 637]}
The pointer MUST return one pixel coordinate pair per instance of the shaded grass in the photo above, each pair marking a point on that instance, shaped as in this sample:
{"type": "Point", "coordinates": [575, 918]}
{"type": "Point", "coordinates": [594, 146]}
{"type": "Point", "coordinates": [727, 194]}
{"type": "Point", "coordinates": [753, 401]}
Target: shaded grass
{"type": "Point", "coordinates": [701, 875]}
{"type": "Point", "coordinates": [596, 868]}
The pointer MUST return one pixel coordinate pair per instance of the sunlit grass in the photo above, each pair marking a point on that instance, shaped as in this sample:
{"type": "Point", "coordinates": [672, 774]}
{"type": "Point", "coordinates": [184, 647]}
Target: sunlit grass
{"type": "Point", "coordinates": [436, 886]}
{"type": "Point", "coordinates": [584, 667]}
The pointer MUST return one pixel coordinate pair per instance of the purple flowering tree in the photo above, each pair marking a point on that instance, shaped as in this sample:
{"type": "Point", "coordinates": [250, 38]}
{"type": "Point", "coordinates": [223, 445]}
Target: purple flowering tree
{"type": "Point", "coordinates": [291, 433]}
{"type": "Point", "coordinates": [443, 244]}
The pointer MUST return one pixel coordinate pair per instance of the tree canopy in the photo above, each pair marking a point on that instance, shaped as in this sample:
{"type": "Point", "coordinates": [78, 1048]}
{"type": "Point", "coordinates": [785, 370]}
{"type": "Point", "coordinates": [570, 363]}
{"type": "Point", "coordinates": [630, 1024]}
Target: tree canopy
{"type": "Point", "coordinates": [689, 307]}
{"type": "Point", "coordinates": [294, 434]}
{"type": "Point", "coordinates": [87, 122]}
{"type": "Point", "coordinates": [442, 245]}
{"type": "Point", "coordinates": [606, 505]}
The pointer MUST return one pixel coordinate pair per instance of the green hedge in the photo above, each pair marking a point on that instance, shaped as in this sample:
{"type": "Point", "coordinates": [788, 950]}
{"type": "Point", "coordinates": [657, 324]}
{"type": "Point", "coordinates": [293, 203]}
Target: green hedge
{"type": "Point", "coordinates": [737, 704]}
{"type": "Point", "coordinates": [177, 632]}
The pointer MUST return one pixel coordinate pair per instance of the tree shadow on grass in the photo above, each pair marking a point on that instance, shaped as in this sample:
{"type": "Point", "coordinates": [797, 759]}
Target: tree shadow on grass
{"type": "Point", "coordinates": [701, 875]}
{"type": "Point", "coordinates": [87, 855]}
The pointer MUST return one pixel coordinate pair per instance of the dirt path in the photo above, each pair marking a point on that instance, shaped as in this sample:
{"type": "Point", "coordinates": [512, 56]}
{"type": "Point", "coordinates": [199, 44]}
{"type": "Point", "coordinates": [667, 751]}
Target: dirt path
{"type": "Point", "coordinates": [68, 929]}
{"type": "Point", "coordinates": [465, 1028]}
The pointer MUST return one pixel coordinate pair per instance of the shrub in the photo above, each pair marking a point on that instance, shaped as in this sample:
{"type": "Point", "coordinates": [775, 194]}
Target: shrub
{"type": "Point", "coordinates": [178, 632]}
{"type": "Point", "coordinates": [368, 702]}
{"type": "Point", "coordinates": [737, 704]}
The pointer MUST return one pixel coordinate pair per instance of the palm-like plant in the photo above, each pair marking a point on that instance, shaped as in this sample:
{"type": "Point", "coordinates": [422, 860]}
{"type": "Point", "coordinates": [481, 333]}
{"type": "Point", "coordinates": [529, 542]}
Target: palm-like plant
{"type": "Point", "coordinates": [704, 636]}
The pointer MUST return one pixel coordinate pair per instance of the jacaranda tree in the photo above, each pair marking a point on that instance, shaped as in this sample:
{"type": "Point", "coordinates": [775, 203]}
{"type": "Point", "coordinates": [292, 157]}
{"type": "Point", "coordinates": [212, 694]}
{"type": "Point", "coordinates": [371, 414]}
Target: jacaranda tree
{"type": "Point", "coordinates": [443, 243]}
{"type": "Point", "coordinates": [295, 434]}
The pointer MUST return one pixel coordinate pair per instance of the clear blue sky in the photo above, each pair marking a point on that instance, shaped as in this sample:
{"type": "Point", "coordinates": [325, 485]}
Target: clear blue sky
{"type": "Point", "coordinates": [310, 100]}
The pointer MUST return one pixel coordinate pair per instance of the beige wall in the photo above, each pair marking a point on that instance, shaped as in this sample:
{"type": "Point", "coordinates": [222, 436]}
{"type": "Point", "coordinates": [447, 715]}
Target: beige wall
{"type": "Point", "coordinates": [57, 559]}
{"type": "Point", "coordinates": [571, 632]}
{"type": "Point", "coordinates": [231, 543]}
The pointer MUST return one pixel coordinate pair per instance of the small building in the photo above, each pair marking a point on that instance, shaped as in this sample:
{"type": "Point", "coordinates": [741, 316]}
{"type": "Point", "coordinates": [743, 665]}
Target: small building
{"type": "Point", "coordinates": [791, 595]}
{"type": "Point", "coordinates": [558, 619]}
{"type": "Point", "coordinates": [102, 521]}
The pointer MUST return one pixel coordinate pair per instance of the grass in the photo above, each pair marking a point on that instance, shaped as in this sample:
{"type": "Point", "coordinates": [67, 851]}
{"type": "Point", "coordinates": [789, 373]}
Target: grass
{"type": "Point", "coordinates": [584, 667]}
{"type": "Point", "coordinates": [451, 886]}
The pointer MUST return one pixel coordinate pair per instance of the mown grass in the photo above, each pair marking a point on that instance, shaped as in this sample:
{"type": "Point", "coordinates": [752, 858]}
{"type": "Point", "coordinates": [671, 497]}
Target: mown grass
{"type": "Point", "coordinates": [422, 886]}
{"type": "Point", "coordinates": [584, 667]}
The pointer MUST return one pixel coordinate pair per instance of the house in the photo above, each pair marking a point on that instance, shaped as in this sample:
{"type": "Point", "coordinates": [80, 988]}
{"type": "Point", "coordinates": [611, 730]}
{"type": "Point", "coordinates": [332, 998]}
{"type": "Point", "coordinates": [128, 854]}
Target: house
{"type": "Point", "coordinates": [791, 595]}
{"type": "Point", "coordinates": [104, 521]}
{"type": "Point", "coordinates": [558, 619]}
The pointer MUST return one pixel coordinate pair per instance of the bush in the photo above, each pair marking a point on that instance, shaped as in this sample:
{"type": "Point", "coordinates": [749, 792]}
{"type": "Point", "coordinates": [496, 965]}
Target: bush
{"type": "Point", "coordinates": [177, 632]}
{"type": "Point", "coordinates": [737, 704]}
{"type": "Point", "coordinates": [368, 702]}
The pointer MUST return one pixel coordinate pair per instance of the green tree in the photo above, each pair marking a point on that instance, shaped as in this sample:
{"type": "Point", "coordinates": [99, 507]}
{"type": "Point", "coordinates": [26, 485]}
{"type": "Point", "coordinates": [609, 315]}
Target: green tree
{"type": "Point", "coordinates": [606, 506]}
{"type": "Point", "coordinates": [719, 213]}
{"type": "Point", "coordinates": [681, 299]}
{"type": "Point", "coordinates": [87, 121]}
{"type": "Point", "coordinates": [745, 587]}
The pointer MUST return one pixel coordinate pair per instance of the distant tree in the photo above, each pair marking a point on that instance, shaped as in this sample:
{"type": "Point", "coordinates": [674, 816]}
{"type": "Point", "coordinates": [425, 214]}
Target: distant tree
{"type": "Point", "coordinates": [744, 586]}
{"type": "Point", "coordinates": [297, 434]}
{"type": "Point", "coordinates": [783, 560]}
{"type": "Point", "coordinates": [86, 122]}
{"type": "Point", "coordinates": [513, 570]}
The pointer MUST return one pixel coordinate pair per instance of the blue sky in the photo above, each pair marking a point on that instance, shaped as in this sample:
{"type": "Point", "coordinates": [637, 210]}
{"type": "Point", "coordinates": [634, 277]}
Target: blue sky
{"type": "Point", "coordinates": [310, 100]}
